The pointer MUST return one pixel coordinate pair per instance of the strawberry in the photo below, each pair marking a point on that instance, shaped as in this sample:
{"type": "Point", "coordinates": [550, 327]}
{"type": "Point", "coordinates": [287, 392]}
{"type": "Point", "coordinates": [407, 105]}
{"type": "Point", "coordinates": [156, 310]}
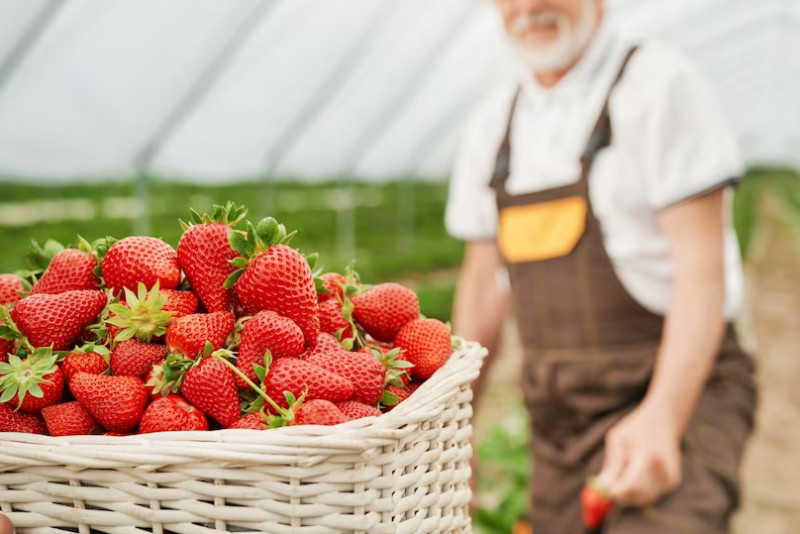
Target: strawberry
{"type": "Point", "coordinates": [427, 344]}
{"type": "Point", "coordinates": [14, 421]}
{"type": "Point", "coordinates": [325, 344]}
{"type": "Point", "coordinates": [394, 395]}
{"type": "Point", "coordinates": [89, 359]}
{"type": "Point", "coordinates": [11, 289]}
{"type": "Point", "coordinates": [142, 315]}
{"type": "Point", "coordinates": [71, 269]}
{"type": "Point", "coordinates": [357, 410]}
{"type": "Point", "coordinates": [295, 376]}
{"type": "Point", "coordinates": [188, 335]}
{"type": "Point", "coordinates": [32, 383]}
{"type": "Point", "coordinates": [393, 361]}
{"type": "Point", "coordinates": [68, 419]}
{"type": "Point", "coordinates": [267, 331]}
{"type": "Point", "coordinates": [251, 420]}
{"type": "Point", "coordinates": [180, 303]}
{"type": "Point", "coordinates": [136, 358]}
{"type": "Point", "coordinates": [210, 387]}
{"type": "Point", "coordinates": [334, 284]}
{"type": "Point", "coordinates": [140, 259]}
{"type": "Point", "coordinates": [116, 402]}
{"type": "Point", "coordinates": [57, 320]}
{"type": "Point", "coordinates": [205, 255]}
{"type": "Point", "coordinates": [414, 386]}
{"type": "Point", "coordinates": [362, 370]}
{"type": "Point", "coordinates": [333, 321]}
{"type": "Point", "coordinates": [169, 414]}
{"type": "Point", "coordinates": [319, 412]}
{"type": "Point", "coordinates": [596, 504]}
{"type": "Point", "coordinates": [272, 276]}
{"type": "Point", "coordinates": [383, 310]}
{"type": "Point", "coordinates": [6, 347]}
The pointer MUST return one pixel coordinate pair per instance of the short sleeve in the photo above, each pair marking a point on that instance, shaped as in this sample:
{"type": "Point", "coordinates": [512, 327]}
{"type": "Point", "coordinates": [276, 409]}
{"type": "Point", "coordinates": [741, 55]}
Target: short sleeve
{"type": "Point", "coordinates": [471, 212]}
{"type": "Point", "coordinates": [682, 144]}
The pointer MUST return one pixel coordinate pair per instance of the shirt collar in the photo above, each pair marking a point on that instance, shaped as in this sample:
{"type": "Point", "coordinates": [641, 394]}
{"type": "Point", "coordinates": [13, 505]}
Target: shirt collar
{"type": "Point", "coordinates": [583, 75]}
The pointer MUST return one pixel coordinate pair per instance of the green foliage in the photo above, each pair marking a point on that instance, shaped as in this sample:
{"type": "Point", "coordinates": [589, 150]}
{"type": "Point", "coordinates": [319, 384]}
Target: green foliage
{"type": "Point", "coordinates": [504, 468]}
{"type": "Point", "coordinates": [758, 185]}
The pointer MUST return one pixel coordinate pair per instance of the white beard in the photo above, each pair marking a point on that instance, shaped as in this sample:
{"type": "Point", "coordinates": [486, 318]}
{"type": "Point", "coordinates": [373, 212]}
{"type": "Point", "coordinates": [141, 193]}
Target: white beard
{"type": "Point", "coordinates": [565, 50]}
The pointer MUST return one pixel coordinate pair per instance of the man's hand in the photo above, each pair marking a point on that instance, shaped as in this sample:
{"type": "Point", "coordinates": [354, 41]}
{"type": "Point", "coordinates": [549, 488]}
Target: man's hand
{"type": "Point", "coordinates": [5, 525]}
{"type": "Point", "coordinates": [642, 457]}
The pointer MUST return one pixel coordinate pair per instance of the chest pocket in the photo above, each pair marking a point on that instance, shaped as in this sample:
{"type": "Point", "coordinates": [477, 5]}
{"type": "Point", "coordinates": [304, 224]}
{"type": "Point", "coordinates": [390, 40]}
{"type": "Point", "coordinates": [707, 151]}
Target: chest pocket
{"type": "Point", "coordinates": [542, 230]}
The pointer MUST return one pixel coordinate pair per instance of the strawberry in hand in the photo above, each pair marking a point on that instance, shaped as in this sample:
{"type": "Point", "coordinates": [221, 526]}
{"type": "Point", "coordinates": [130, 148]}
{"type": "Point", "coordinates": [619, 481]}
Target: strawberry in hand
{"type": "Point", "coordinates": [596, 504]}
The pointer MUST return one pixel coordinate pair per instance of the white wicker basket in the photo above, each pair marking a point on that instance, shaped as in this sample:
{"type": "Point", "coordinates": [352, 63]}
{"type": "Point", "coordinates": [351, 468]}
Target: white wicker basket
{"type": "Point", "coordinates": [405, 472]}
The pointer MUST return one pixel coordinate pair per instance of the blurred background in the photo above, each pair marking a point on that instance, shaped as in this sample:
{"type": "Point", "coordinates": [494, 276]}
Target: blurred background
{"type": "Point", "coordinates": [340, 118]}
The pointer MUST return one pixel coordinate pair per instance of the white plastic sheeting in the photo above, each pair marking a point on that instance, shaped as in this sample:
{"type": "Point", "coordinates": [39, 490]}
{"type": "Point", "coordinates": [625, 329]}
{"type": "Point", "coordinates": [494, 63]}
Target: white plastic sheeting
{"type": "Point", "coordinates": [213, 90]}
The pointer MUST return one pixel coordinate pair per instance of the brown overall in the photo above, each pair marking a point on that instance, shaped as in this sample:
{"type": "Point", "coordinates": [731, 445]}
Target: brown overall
{"type": "Point", "coordinates": [590, 350]}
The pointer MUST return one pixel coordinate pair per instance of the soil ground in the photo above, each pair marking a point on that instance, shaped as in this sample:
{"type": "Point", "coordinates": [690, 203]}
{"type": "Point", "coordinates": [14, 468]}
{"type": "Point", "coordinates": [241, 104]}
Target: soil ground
{"type": "Point", "coordinates": [770, 329]}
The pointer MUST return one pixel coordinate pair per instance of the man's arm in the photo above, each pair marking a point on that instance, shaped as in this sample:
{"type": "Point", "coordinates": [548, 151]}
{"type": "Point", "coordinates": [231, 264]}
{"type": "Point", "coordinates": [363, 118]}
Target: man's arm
{"type": "Point", "coordinates": [642, 460]}
{"type": "Point", "coordinates": [480, 305]}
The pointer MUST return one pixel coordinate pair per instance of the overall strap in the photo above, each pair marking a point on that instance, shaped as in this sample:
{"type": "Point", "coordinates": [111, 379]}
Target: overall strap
{"type": "Point", "coordinates": [502, 165]}
{"type": "Point", "coordinates": [600, 137]}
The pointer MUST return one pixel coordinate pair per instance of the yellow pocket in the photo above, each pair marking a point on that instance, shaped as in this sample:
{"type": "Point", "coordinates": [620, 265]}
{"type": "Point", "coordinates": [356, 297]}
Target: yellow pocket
{"type": "Point", "coordinates": [541, 231]}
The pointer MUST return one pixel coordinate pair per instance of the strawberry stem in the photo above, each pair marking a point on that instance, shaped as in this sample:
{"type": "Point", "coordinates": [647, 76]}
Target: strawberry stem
{"type": "Point", "coordinates": [247, 381]}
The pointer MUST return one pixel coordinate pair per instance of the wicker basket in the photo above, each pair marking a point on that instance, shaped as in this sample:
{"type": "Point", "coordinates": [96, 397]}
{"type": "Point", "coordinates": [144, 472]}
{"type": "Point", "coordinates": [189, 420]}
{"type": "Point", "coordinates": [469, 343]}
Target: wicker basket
{"type": "Point", "coordinates": [406, 472]}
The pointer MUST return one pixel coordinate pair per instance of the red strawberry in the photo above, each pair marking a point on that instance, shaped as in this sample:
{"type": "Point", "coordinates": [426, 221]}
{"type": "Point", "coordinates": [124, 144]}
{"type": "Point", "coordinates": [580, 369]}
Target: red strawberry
{"type": "Point", "coordinates": [140, 259]}
{"type": "Point", "coordinates": [251, 420]}
{"type": "Point", "coordinates": [83, 362]}
{"type": "Point", "coordinates": [116, 402]}
{"type": "Point", "coordinates": [383, 310]}
{"type": "Point", "coordinates": [10, 289]}
{"type": "Point", "coordinates": [210, 387]}
{"type": "Point", "coordinates": [181, 303]}
{"type": "Point", "coordinates": [188, 335]}
{"type": "Point", "coordinates": [68, 419]}
{"type": "Point", "coordinates": [357, 410]}
{"type": "Point", "coordinates": [136, 358]}
{"type": "Point", "coordinates": [32, 383]}
{"type": "Point", "coordinates": [272, 276]}
{"type": "Point", "coordinates": [14, 421]}
{"type": "Point", "coordinates": [6, 347]}
{"type": "Point", "coordinates": [596, 504]}
{"type": "Point", "coordinates": [267, 331]}
{"type": "Point", "coordinates": [325, 344]}
{"type": "Point", "coordinates": [204, 254]}
{"type": "Point", "coordinates": [396, 365]}
{"type": "Point", "coordinates": [334, 283]}
{"type": "Point", "coordinates": [319, 412]}
{"type": "Point", "coordinates": [394, 395]}
{"type": "Point", "coordinates": [414, 386]}
{"type": "Point", "coordinates": [294, 376]}
{"type": "Point", "coordinates": [427, 344]}
{"type": "Point", "coordinates": [145, 314]}
{"type": "Point", "coordinates": [71, 269]}
{"type": "Point", "coordinates": [169, 414]}
{"type": "Point", "coordinates": [333, 321]}
{"type": "Point", "coordinates": [57, 320]}
{"type": "Point", "coordinates": [362, 370]}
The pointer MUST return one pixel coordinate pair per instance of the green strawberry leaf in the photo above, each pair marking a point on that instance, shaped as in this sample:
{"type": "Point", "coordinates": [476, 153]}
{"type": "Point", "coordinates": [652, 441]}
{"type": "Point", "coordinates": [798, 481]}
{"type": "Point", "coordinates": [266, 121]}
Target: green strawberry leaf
{"type": "Point", "coordinates": [389, 399]}
{"type": "Point", "coordinates": [232, 279]}
{"type": "Point", "coordinates": [240, 244]}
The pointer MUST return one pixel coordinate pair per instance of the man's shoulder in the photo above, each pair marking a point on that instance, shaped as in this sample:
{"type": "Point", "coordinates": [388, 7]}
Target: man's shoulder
{"type": "Point", "coordinates": [656, 74]}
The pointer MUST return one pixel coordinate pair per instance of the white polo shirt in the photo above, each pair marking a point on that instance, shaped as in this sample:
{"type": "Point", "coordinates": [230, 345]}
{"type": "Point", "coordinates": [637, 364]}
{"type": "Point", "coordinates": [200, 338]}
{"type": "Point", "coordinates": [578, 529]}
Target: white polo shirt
{"type": "Point", "coordinates": [669, 142]}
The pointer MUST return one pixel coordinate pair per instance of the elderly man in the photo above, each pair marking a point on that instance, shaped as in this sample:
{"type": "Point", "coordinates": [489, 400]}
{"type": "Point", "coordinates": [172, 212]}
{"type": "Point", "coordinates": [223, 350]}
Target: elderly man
{"type": "Point", "coordinates": [598, 181]}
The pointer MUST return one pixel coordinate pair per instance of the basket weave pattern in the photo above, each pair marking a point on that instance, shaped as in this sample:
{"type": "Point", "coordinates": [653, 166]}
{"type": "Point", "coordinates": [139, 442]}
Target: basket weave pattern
{"type": "Point", "coordinates": [405, 472]}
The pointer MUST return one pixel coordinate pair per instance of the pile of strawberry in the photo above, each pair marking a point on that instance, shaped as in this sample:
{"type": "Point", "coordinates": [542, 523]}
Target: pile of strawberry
{"type": "Point", "coordinates": [234, 329]}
